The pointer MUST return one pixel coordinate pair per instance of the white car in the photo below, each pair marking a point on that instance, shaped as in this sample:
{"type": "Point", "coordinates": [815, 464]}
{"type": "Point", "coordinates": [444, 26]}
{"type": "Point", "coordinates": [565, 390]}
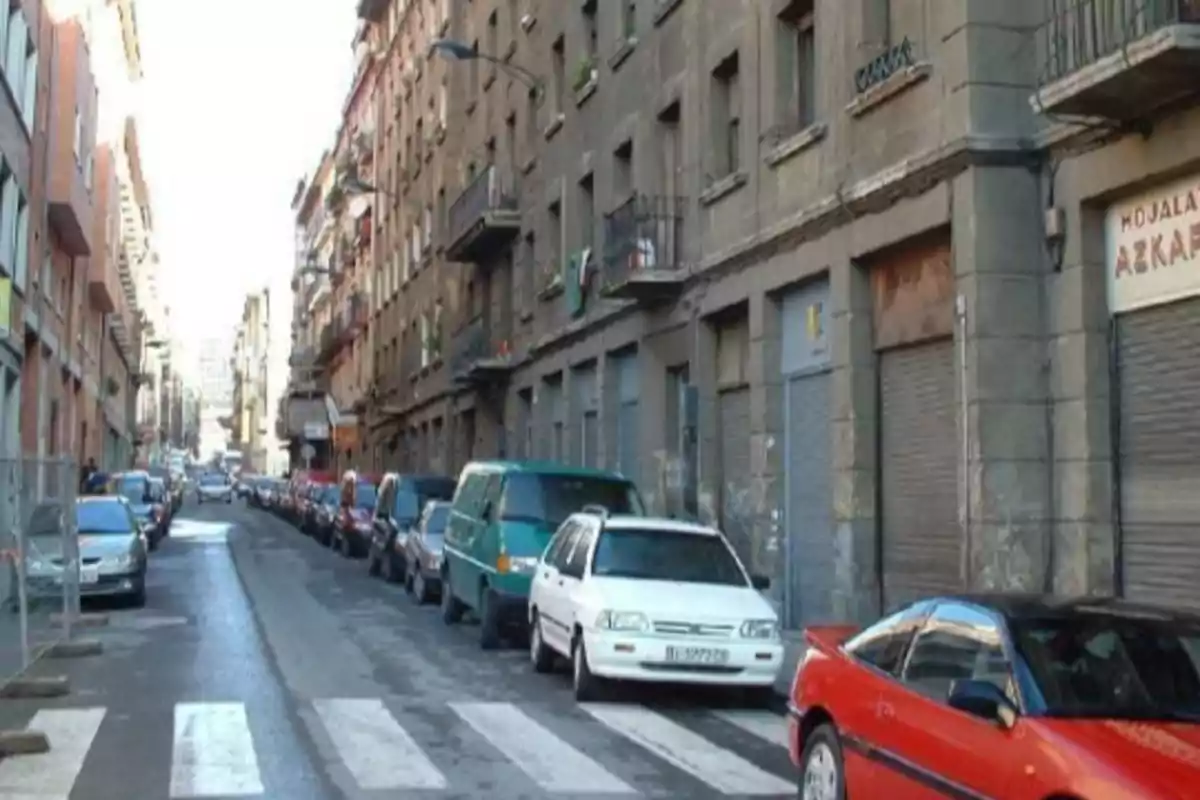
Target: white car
{"type": "Point", "coordinates": [214, 489]}
{"type": "Point", "coordinates": [648, 599]}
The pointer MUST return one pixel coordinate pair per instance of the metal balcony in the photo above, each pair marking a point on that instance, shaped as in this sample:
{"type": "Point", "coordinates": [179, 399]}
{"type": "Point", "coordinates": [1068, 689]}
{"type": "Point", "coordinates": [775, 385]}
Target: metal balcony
{"type": "Point", "coordinates": [484, 218]}
{"type": "Point", "coordinates": [1118, 59]}
{"type": "Point", "coordinates": [477, 358]}
{"type": "Point", "coordinates": [643, 249]}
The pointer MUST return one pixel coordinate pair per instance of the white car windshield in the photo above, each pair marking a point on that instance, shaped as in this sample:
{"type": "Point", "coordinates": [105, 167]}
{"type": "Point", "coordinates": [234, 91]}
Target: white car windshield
{"type": "Point", "coordinates": [212, 481]}
{"type": "Point", "coordinates": [658, 555]}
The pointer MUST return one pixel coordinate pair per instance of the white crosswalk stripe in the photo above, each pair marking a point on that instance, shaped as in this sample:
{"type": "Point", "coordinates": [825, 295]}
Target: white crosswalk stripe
{"type": "Point", "coordinates": [726, 772]}
{"type": "Point", "coordinates": [546, 759]}
{"type": "Point", "coordinates": [214, 755]}
{"type": "Point", "coordinates": [378, 752]}
{"type": "Point", "coordinates": [213, 752]}
{"type": "Point", "coordinates": [52, 775]}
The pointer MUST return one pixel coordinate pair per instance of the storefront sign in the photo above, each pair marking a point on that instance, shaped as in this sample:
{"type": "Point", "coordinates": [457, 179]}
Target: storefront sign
{"type": "Point", "coordinates": [1153, 247]}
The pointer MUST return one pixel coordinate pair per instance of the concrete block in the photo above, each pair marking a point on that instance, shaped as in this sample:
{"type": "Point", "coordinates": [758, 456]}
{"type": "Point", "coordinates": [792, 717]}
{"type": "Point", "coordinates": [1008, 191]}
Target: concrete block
{"type": "Point", "coordinates": [1006, 369]}
{"type": "Point", "coordinates": [78, 648]}
{"type": "Point", "coordinates": [23, 743]}
{"type": "Point", "coordinates": [1008, 431]}
{"type": "Point", "coordinates": [39, 688]}
{"type": "Point", "coordinates": [84, 620]}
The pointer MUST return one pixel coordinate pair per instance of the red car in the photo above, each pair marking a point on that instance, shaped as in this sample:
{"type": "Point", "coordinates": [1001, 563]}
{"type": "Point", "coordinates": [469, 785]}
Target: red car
{"type": "Point", "coordinates": [1001, 697]}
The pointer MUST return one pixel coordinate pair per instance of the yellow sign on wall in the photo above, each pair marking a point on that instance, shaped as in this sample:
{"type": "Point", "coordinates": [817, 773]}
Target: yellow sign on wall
{"type": "Point", "coordinates": [815, 326]}
{"type": "Point", "coordinates": [5, 306]}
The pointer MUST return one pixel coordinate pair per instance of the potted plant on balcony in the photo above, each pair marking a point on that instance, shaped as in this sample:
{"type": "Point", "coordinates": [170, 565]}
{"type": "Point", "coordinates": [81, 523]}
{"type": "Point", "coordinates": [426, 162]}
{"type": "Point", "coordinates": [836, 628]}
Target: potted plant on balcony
{"type": "Point", "coordinates": [112, 386]}
{"type": "Point", "coordinates": [585, 73]}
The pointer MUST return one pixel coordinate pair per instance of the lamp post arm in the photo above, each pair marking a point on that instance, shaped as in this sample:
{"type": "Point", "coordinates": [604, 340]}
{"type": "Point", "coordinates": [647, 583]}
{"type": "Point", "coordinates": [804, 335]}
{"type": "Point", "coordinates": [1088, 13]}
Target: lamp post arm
{"type": "Point", "coordinates": [520, 73]}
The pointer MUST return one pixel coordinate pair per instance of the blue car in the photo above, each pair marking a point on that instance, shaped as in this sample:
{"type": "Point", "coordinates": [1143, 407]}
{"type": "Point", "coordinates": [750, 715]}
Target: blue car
{"type": "Point", "coordinates": [148, 506]}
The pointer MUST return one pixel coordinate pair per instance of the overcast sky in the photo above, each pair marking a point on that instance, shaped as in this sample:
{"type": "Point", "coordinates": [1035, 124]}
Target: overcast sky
{"type": "Point", "coordinates": [239, 99]}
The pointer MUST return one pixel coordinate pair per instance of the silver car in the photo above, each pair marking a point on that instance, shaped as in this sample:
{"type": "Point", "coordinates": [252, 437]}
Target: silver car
{"type": "Point", "coordinates": [112, 551]}
{"type": "Point", "coordinates": [214, 488]}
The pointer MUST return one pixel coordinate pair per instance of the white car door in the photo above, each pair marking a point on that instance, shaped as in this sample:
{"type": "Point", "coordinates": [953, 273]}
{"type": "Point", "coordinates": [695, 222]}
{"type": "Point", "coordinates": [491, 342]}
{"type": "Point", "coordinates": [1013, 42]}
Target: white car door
{"type": "Point", "coordinates": [556, 631]}
{"type": "Point", "coordinates": [571, 577]}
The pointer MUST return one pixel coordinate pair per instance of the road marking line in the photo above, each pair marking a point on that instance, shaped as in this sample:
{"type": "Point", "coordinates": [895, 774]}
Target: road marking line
{"type": "Point", "coordinates": [378, 752]}
{"type": "Point", "coordinates": [52, 775]}
{"type": "Point", "coordinates": [726, 772]}
{"type": "Point", "coordinates": [544, 757]}
{"type": "Point", "coordinates": [213, 752]}
{"type": "Point", "coordinates": [768, 726]}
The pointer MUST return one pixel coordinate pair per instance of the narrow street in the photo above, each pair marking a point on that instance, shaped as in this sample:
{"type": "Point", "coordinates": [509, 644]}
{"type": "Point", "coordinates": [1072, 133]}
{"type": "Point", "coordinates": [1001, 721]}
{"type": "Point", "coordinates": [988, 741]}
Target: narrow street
{"type": "Point", "coordinates": [267, 666]}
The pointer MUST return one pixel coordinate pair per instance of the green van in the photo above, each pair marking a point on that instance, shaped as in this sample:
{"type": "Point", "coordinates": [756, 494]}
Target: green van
{"type": "Point", "coordinates": [502, 518]}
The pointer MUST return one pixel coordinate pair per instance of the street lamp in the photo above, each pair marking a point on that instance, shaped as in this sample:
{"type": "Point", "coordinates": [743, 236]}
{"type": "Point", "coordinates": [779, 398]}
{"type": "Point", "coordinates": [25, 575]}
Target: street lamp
{"type": "Point", "coordinates": [460, 51]}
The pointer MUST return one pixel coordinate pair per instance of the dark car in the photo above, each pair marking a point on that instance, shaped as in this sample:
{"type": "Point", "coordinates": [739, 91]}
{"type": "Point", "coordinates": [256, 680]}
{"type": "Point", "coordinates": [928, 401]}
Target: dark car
{"type": "Point", "coordinates": [164, 510]}
{"type": "Point", "coordinates": [423, 553]}
{"type": "Point", "coordinates": [401, 501]}
{"type": "Point", "coordinates": [148, 508]}
{"type": "Point", "coordinates": [352, 529]}
{"type": "Point", "coordinates": [323, 513]}
{"type": "Point", "coordinates": [174, 485]}
{"type": "Point", "coordinates": [1002, 696]}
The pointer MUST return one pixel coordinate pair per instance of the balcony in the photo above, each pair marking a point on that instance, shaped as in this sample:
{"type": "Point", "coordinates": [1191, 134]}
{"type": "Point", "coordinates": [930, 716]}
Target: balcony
{"type": "Point", "coordinates": [354, 317]}
{"type": "Point", "coordinates": [372, 10]}
{"type": "Point", "coordinates": [484, 218]}
{"type": "Point", "coordinates": [1118, 60]}
{"type": "Point", "coordinates": [643, 244]}
{"type": "Point", "coordinates": [476, 358]}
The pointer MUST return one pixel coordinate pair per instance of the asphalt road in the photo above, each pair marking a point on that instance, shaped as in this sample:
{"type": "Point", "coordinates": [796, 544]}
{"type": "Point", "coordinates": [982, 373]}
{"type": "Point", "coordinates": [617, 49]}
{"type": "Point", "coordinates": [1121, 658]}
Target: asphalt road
{"type": "Point", "coordinates": [267, 666]}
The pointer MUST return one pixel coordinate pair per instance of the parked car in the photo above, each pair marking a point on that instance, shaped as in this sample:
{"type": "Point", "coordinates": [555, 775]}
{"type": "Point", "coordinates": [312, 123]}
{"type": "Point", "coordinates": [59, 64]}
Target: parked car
{"type": "Point", "coordinates": [112, 550]}
{"type": "Point", "coordinates": [323, 513]}
{"type": "Point", "coordinates": [397, 513]}
{"type": "Point", "coordinates": [174, 486]}
{"type": "Point", "coordinates": [423, 553]}
{"type": "Point", "coordinates": [352, 526]}
{"type": "Point", "coordinates": [651, 600]}
{"type": "Point", "coordinates": [134, 486]}
{"type": "Point", "coordinates": [502, 518]}
{"type": "Point", "coordinates": [214, 487]}
{"type": "Point", "coordinates": [1002, 696]}
{"type": "Point", "coordinates": [307, 501]}
{"type": "Point", "coordinates": [161, 500]}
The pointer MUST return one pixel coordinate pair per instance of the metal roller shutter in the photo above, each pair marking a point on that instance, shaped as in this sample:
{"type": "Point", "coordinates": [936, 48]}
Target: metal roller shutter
{"type": "Point", "coordinates": [627, 417]}
{"type": "Point", "coordinates": [922, 543]}
{"type": "Point", "coordinates": [736, 511]}
{"type": "Point", "coordinates": [1158, 363]}
{"type": "Point", "coordinates": [587, 427]}
{"type": "Point", "coordinates": [811, 555]}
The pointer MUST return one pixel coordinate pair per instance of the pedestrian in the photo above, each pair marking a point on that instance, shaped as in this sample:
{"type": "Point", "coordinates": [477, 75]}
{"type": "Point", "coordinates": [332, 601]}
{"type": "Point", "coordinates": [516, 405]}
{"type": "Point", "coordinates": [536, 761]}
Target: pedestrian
{"type": "Point", "coordinates": [86, 473]}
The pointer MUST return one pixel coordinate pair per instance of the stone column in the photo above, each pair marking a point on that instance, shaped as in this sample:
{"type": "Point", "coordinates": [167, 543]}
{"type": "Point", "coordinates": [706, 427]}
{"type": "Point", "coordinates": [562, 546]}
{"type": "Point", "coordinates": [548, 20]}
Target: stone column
{"type": "Point", "coordinates": [766, 445]}
{"type": "Point", "coordinates": [854, 426]}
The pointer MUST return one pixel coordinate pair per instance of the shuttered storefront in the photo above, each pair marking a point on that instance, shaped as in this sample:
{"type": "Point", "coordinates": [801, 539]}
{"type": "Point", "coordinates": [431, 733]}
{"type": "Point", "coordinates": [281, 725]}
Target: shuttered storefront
{"type": "Point", "coordinates": [809, 550]}
{"type": "Point", "coordinates": [922, 543]}
{"type": "Point", "coordinates": [1158, 449]}
{"type": "Point", "coordinates": [587, 413]}
{"type": "Point", "coordinates": [549, 411]}
{"type": "Point", "coordinates": [734, 410]}
{"type": "Point", "coordinates": [625, 373]}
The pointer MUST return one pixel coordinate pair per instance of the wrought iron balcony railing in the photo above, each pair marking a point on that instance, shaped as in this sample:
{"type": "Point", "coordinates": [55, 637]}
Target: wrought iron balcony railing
{"type": "Point", "coordinates": [484, 216]}
{"type": "Point", "coordinates": [1099, 56]}
{"type": "Point", "coordinates": [476, 355]}
{"type": "Point", "coordinates": [643, 245]}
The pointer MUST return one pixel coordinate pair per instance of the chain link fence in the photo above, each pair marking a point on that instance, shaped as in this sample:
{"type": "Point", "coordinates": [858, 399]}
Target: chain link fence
{"type": "Point", "coordinates": [41, 571]}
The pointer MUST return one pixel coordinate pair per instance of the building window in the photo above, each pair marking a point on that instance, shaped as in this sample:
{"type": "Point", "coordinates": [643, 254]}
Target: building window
{"type": "Point", "coordinates": [587, 211]}
{"type": "Point", "coordinates": [514, 18]}
{"type": "Point", "coordinates": [78, 138]}
{"type": "Point", "coordinates": [591, 35]}
{"type": "Point", "coordinates": [796, 63]}
{"type": "Point", "coordinates": [493, 40]}
{"type": "Point", "coordinates": [554, 232]}
{"type": "Point", "coordinates": [29, 92]}
{"type": "Point", "coordinates": [622, 172]}
{"type": "Point", "coordinates": [628, 19]}
{"type": "Point", "coordinates": [21, 256]}
{"type": "Point", "coordinates": [16, 43]}
{"type": "Point", "coordinates": [528, 269]}
{"type": "Point", "coordinates": [726, 118]}
{"type": "Point", "coordinates": [531, 126]}
{"type": "Point", "coordinates": [442, 104]}
{"type": "Point", "coordinates": [670, 149]}
{"type": "Point", "coordinates": [473, 70]}
{"type": "Point", "coordinates": [559, 57]}
{"type": "Point", "coordinates": [10, 202]}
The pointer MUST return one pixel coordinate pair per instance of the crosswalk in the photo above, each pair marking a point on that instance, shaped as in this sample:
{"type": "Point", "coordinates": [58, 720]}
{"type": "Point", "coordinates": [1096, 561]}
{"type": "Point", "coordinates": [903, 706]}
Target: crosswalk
{"type": "Point", "coordinates": [216, 749]}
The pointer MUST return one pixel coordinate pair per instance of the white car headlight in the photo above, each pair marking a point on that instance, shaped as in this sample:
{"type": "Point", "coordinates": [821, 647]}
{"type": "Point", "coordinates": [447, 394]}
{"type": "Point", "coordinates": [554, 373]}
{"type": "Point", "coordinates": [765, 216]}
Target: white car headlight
{"type": "Point", "coordinates": [622, 621]}
{"type": "Point", "coordinates": [117, 562]}
{"type": "Point", "coordinates": [760, 629]}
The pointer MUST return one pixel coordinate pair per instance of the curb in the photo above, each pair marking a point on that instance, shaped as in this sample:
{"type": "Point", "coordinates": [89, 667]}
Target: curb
{"type": "Point", "coordinates": [41, 688]}
{"type": "Point", "coordinates": [23, 743]}
{"type": "Point", "coordinates": [78, 648]}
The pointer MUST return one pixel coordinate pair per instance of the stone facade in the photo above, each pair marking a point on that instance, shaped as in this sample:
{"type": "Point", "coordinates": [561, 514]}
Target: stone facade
{"type": "Point", "coordinates": [912, 123]}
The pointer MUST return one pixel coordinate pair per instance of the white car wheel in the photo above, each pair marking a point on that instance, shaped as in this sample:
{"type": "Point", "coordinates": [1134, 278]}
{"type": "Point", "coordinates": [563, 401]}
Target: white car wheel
{"type": "Point", "coordinates": [822, 777]}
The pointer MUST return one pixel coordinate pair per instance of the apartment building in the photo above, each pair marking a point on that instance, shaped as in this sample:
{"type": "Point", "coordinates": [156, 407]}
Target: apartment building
{"type": "Point", "coordinates": [249, 364]}
{"type": "Point", "coordinates": [883, 288]}
{"type": "Point", "coordinates": [22, 41]}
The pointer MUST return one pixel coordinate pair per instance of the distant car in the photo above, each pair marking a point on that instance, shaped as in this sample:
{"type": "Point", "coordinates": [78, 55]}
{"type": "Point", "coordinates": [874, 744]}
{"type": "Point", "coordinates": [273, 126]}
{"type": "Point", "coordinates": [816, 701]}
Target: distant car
{"type": "Point", "coordinates": [1001, 696]}
{"type": "Point", "coordinates": [214, 488]}
{"type": "Point", "coordinates": [652, 600]}
{"type": "Point", "coordinates": [112, 550]}
{"type": "Point", "coordinates": [398, 509]}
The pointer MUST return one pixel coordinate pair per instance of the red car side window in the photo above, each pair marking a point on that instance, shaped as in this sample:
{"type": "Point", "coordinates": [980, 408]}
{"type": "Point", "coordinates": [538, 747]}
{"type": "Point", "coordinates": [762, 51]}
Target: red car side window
{"type": "Point", "coordinates": [885, 644]}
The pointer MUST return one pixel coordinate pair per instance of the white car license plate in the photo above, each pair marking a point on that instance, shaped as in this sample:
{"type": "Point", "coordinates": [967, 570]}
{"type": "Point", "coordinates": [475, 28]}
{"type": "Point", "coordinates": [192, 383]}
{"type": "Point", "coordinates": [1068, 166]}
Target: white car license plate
{"type": "Point", "coordinates": [89, 575]}
{"type": "Point", "coordinates": [697, 655]}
